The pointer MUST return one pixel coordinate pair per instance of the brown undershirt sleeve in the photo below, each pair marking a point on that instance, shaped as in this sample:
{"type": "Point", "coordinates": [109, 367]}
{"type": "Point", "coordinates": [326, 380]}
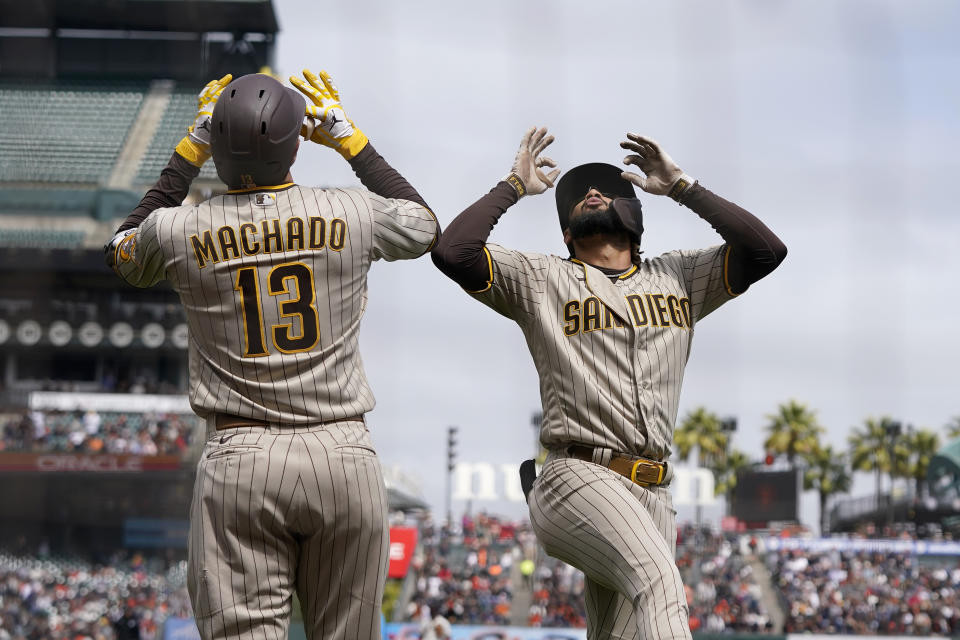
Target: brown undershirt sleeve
{"type": "Point", "coordinates": [169, 191]}
{"type": "Point", "coordinates": [459, 253]}
{"type": "Point", "coordinates": [379, 177]}
{"type": "Point", "coordinates": [755, 250]}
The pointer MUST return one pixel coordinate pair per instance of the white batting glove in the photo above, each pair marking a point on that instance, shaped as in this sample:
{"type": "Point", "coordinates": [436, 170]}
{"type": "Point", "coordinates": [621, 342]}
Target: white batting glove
{"type": "Point", "coordinates": [325, 122]}
{"type": "Point", "coordinates": [663, 176]}
{"type": "Point", "coordinates": [527, 175]}
{"type": "Point", "coordinates": [195, 146]}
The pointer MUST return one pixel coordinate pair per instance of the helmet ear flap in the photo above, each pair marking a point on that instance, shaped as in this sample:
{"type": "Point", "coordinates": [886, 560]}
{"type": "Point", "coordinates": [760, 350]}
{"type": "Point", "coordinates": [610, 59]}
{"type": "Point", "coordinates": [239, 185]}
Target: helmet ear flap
{"type": "Point", "coordinates": [630, 213]}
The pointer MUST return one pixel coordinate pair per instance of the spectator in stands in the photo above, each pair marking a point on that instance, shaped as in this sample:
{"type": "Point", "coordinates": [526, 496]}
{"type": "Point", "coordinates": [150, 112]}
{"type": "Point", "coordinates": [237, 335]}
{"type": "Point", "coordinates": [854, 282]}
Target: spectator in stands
{"type": "Point", "coordinates": [108, 432]}
{"type": "Point", "coordinates": [127, 626]}
{"type": "Point", "coordinates": [437, 628]}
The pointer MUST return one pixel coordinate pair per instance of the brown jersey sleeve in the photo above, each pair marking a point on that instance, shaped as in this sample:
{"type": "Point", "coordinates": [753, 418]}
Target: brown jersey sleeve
{"type": "Point", "coordinates": [378, 176]}
{"type": "Point", "coordinates": [459, 253]}
{"type": "Point", "coordinates": [169, 191]}
{"type": "Point", "coordinates": [755, 250]}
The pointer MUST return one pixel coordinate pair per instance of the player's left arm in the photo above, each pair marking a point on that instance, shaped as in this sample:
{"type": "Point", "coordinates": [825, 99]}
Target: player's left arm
{"type": "Point", "coordinates": [752, 250]}
{"type": "Point", "coordinates": [401, 216]}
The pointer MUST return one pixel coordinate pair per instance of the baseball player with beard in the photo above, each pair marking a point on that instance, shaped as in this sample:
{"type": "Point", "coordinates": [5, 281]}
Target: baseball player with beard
{"type": "Point", "coordinates": [289, 496]}
{"type": "Point", "coordinates": [610, 334]}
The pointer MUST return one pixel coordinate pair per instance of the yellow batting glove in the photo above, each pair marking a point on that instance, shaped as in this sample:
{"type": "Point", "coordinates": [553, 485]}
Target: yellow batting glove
{"type": "Point", "coordinates": [335, 129]}
{"type": "Point", "coordinates": [195, 146]}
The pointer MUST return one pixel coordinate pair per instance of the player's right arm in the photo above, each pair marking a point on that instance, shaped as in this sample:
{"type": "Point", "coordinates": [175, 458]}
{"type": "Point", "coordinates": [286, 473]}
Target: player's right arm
{"type": "Point", "coordinates": [404, 226]}
{"type": "Point", "coordinates": [462, 252]}
{"type": "Point", "coordinates": [134, 251]}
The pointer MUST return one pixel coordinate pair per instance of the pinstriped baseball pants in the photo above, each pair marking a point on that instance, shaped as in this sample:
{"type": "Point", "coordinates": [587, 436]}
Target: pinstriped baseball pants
{"type": "Point", "coordinates": [623, 537]}
{"type": "Point", "coordinates": [284, 510]}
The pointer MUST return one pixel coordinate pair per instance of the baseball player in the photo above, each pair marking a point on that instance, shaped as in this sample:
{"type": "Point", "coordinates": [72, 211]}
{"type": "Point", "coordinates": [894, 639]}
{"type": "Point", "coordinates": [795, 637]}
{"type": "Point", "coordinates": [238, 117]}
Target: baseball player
{"type": "Point", "coordinates": [289, 496]}
{"type": "Point", "coordinates": [610, 334]}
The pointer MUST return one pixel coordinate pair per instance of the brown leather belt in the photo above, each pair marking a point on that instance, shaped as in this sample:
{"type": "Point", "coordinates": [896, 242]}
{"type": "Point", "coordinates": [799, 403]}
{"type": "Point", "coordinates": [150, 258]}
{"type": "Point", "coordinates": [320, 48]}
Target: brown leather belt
{"type": "Point", "coordinates": [228, 421]}
{"type": "Point", "coordinates": [639, 470]}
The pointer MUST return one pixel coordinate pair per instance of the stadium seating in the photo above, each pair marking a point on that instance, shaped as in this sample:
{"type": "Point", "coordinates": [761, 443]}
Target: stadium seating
{"type": "Point", "coordinates": [179, 114]}
{"type": "Point", "coordinates": [64, 132]}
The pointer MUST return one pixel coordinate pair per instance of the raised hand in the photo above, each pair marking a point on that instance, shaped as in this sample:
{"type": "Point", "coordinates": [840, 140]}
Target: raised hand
{"type": "Point", "coordinates": [335, 129]}
{"type": "Point", "coordinates": [195, 146]}
{"type": "Point", "coordinates": [661, 173]}
{"type": "Point", "coordinates": [528, 164]}
{"type": "Point", "coordinates": [199, 131]}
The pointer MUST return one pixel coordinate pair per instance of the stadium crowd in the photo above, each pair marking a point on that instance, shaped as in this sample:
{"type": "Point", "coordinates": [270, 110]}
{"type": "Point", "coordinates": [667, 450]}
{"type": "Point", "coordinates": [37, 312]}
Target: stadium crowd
{"type": "Point", "coordinates": [67, 599]}
{"type": "Point", "coordinates": [722, 591]}
{"type": "Point", "coordinates": [878, 593]}
{"type": "Point", "coordinates": [92, 432]}
{"type": "Point", "coordinates": [465, 574]}
{"type": "Point", "coordinates": [557, 596]}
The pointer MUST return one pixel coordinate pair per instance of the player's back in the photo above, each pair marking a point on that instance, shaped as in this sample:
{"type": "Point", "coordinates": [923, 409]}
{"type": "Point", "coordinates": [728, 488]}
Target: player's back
{"type": "Point", "coordinates": [273, 283]}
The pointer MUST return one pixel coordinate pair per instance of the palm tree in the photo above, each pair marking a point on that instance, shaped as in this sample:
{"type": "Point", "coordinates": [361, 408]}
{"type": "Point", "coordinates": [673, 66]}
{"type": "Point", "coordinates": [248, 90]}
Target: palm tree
{"type": "Point", "coordinates": [922, 445]}
{"type": "Point", "coordinates": [953, 428]}
{"type": "Point", "coordinates": [703, 430]}
{"type": "Point", "coordinates": [870, 448]}
{"type": "Point", "coordinates": [725, 474]}
{"type": "Point", "coordinates": [827, 473]}
{"type": "Point", "coordinates": [794, 431]}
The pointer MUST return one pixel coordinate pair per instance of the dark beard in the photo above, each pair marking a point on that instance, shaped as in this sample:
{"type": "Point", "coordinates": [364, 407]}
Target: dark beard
{"type": "Point", "coordinates": [599, 222]}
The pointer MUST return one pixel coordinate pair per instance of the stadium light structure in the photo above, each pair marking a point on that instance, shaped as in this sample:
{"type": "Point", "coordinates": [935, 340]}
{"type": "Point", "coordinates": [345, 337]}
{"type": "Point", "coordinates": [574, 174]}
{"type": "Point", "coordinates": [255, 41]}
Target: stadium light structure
{"type": "Point", "coordinates": [451, 465]}
{"type": "Point", "coordinates": [536, 420]}
{"type": "Point", "coordinates": [894, 429]}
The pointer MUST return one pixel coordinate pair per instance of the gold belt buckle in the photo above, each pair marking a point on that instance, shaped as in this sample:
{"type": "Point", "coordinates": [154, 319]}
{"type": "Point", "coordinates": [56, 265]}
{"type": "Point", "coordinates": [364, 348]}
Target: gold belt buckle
{"type": "Point", "coordinates": [647, 464]}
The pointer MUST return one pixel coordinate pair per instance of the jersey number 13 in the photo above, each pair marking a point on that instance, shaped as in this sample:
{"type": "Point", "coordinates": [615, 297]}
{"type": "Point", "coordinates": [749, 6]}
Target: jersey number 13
{"type": "Point", "coordinates": [301, 333]}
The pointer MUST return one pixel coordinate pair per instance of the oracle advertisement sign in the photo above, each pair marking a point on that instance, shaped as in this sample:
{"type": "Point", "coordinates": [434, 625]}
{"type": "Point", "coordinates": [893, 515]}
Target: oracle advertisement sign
{"type": "Point", "coordinates": [403, 540]}
{"type": "Point", "coordinates": [78, 463]}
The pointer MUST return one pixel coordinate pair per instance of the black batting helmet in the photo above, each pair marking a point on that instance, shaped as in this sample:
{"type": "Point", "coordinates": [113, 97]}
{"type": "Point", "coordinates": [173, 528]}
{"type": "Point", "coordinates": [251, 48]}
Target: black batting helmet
{"type": "Point", "coordinates": [255, 128]}
{"type": "Point", "coordinates": [606, 179]}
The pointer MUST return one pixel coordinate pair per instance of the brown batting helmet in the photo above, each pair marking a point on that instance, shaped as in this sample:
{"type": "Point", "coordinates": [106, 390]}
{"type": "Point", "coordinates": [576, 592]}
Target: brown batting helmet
{"type": "Point", "coordinates": [255, 129]}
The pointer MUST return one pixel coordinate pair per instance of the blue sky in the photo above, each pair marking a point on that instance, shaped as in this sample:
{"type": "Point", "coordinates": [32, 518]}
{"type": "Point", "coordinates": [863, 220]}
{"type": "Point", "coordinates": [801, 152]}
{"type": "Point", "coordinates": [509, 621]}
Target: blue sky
{"type": "Point", "coordinates": [836, 123]}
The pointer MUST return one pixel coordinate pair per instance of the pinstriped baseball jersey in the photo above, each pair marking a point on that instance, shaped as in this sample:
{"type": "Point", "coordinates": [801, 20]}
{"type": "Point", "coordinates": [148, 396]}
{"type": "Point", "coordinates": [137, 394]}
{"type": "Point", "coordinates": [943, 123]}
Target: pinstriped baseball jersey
{"type": "Point", "coordinates": [610, 356]}
{"type": "Point", "coordinates": [274, 283]}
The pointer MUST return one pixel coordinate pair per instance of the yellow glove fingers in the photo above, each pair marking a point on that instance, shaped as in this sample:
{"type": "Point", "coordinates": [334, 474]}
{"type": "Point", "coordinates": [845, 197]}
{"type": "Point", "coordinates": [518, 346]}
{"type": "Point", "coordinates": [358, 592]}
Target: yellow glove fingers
{"type": "Point", "coordinates": [301, 87]}
{"type": "Point", "coordinates": [329, 84]}
{"type": "Point", "coordinates": [211, 92]}
{"type": "Point", "coordinates": [315, 82]}
{"type": "Point", "coordinates": [307, 90]}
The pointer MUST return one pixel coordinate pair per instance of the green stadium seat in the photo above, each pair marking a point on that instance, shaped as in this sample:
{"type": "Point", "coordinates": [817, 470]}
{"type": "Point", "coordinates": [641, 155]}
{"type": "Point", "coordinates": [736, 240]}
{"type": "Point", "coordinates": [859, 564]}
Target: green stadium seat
{"type": "Point", "coordinates": [179, 114]}
{"type": "Point", "coordinates": [64, 131]}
